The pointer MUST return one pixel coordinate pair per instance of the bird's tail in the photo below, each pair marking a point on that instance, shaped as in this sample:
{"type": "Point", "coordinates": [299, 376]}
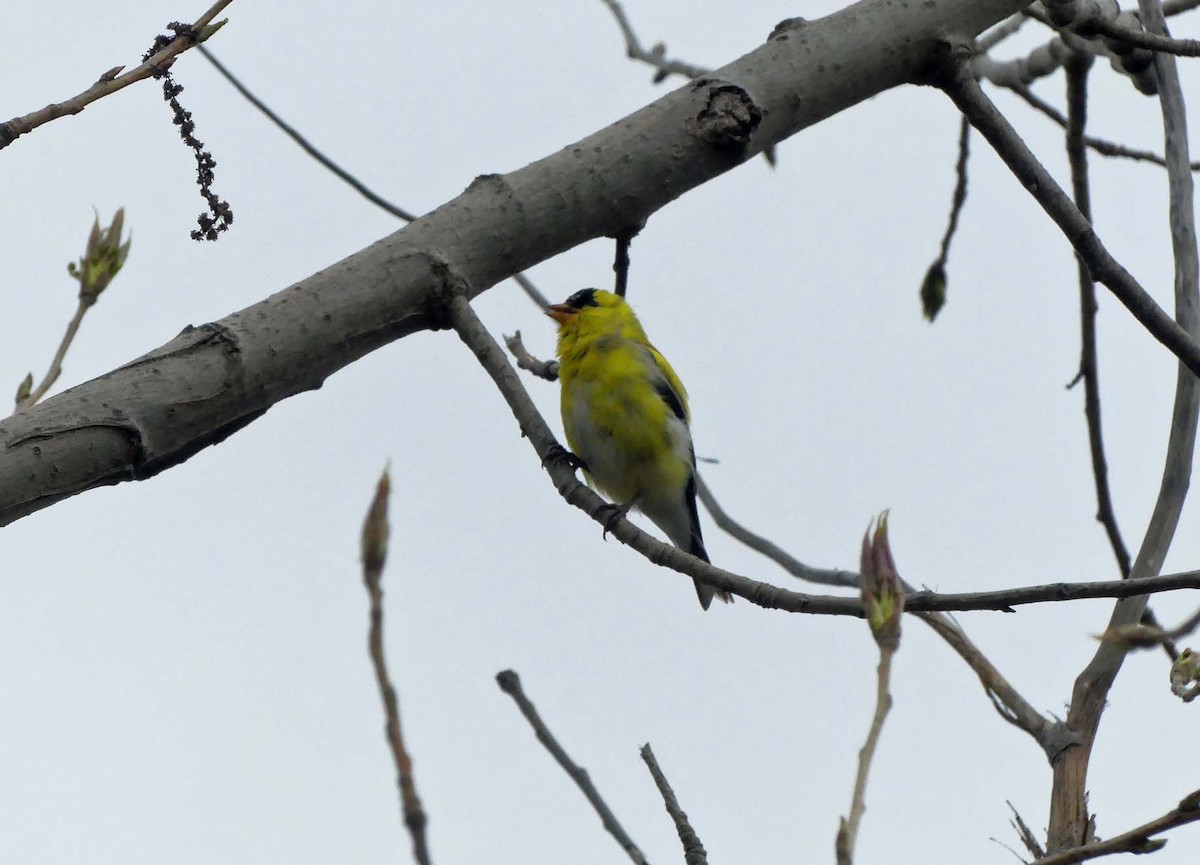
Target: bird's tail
{"type": "Point", "coordinates": [705, 593]}
{"type": "Point", "coordinates": [696, 548]}
{"type": "Point", "coordinates": [682, 526]}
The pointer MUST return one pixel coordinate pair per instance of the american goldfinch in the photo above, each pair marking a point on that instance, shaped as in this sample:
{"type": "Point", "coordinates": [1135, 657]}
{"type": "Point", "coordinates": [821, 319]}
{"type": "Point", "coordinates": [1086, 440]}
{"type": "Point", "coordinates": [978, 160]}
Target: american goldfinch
{"type": "Point", "coordinates": [626, 417]}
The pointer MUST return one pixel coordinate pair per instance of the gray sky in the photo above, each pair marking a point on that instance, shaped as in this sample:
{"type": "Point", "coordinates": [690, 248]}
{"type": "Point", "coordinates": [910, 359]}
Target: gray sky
{"type": "Point", "coordinates": [182, 661]}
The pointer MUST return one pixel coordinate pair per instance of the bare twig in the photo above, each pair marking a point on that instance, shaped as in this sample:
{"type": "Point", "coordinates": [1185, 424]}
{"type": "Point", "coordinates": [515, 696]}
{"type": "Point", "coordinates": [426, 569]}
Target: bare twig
{"type": "Point", "coordinates": [933, 287]}
{"type": "Point", "coordinates": [112, 81]}
{"type": "Point", "coordinates": [547, 369]}
{"type": "Point", "coordinates": [510, 683]}
{"type": "Point", "coordinates": [664, 67]}
{"type": "Point", "coordinates": [1157, 42]}
{"type": "Point", "coordinates": [693, 850]}
{"type": "Point", "coordinates": [1137, 840]}
{"type": "Point", "coordinates": [532, 290]}
{"type": "Point", "coordinates": [1100, 145]}
{"type": "Point", "coordinates": [848, 830]}
{"type": "Point", "coordinates": [621, 262]}
{"type": "Point", "coordinates": [1022, 71]}
{"type": "Point", "coordinates": [374, 554]}
{"type": "Point", "coordinates": [961, 86]}
{"type": "Point", "coordinates": [375, 198]}
{"type": "Point", "coordinates": [1077, 67]}
{"type": "Point", "coordinates": [292, 133]}
{"type": "Point", "coordinates": [756, 542]}
{"type": "Point", "coordinates": [656, 56]}
{"type": "Point", "coordinates": [1027, 836]}
{"type": "Point", "coordinates": [55, 370]}
{"type": "Point", "coordinates": [1006, 28]}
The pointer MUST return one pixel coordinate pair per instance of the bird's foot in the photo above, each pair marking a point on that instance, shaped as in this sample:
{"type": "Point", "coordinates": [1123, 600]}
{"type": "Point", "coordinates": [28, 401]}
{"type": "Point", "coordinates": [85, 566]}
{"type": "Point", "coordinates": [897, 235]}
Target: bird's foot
{"type": "Point", "coordinates": [612, 516]}
{"type": "Point", "coordinates": [558, 453]}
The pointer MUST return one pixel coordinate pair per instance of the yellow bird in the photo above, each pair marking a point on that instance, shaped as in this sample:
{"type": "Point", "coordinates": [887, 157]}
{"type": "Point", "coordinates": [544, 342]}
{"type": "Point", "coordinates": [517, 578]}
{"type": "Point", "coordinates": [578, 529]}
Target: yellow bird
{"type": "Point", "coordinates": [626, 417]}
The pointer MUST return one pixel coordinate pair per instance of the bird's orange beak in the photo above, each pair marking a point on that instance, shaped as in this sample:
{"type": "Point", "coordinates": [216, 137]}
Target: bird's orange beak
{"type": "Point", "coordinates": [560, 312]}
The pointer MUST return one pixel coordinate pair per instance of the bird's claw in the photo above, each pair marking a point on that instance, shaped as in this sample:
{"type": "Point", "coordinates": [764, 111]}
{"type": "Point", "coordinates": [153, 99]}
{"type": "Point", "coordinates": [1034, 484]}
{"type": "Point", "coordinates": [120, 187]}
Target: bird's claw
{"type": "Point", "coordinates": [558, 453]}
{"type": "Point", "coordinates": [612, 516]}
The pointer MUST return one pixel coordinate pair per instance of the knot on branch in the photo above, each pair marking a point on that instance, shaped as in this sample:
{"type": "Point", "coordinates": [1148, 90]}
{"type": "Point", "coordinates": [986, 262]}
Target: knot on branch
{"type": "Point", "coordinates": [785, 27]}
{"type": "Point", "coordinates": [729, 117]}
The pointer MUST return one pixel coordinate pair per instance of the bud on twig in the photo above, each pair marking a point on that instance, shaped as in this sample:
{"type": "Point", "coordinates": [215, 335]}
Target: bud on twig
{"type": "Point", "coordinates": [102, 260]}
{"type": "Point", "coordinates": [375, 527]}
{"type": "Point", "coordinates": [25, 388]}
{"type": "Point", "coordinates": [882, 591]}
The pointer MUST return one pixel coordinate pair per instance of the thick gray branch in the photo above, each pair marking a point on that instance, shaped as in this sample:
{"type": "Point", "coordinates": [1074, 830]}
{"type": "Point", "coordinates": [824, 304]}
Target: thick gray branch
{"type": "Point", "coordinates": [211, 381]}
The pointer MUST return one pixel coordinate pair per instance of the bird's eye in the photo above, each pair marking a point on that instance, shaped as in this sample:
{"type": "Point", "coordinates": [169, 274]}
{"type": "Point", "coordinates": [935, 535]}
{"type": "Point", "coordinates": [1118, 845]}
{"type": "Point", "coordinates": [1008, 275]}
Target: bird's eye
{"type": "Point", "coordinates": [580, 299]}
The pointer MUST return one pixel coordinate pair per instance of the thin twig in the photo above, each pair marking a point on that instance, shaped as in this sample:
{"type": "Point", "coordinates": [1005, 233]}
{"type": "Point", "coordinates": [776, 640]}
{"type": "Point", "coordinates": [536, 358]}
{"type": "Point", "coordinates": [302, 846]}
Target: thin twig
{"type": "Point", "coordinates": [375, 198]}
{"type": "Point", "coordinates": [55, 369]}
{"type": "Point", "coordinates": [1156, 42]}
{"type": "Point", "coordinates": [960, 84]}
{"type": "Point", "coordinates": [1027, 836]}
{"type": "Point", "coordinates": [1077, 68]}
{"type": "Point", "coordinates": [545, 369]}
{"type": "Point", "coordinates": [532, 290]}
{"type": "Point", "coordinates": [494, 361]}
{"type": "Point", "coordinates": [1100, 145]}
{"type": "Point", "coordinates": [756, 542]}
{"type": "Point", "coordinates": [1006, 28]}
{"type": "Point", "coordinates": [665, 68]}
{"type": "Point", "coordinates": [292, 133]}
{"type": "Point", "coordinates": [510, 683]}
{"type": "Point", "coordinates": [656, 56]}
{"type": "Point", "coordinates": [621, 262]}
{"type": "Point", "coordinates": [1137, 840]}
{"type": "Point", "coordinates": [693, 850]}
{"type": "Point", "coordinates": [374, 554]}
{"type": "Point", "coordinates": [112, 81]}
{"type": "Point", "coordinates": [933, 287]}
{"type": "Point", "coordinates": [848, 830]}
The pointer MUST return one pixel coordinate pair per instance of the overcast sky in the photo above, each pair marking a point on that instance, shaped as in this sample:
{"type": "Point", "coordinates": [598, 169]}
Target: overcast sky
{"type": "Point", "coordinates": [182, 661]}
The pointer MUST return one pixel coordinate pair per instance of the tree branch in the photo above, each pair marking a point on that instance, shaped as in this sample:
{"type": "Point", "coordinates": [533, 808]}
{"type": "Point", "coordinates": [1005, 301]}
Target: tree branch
{"type": "Point", "coordinates": [1077, 68]}
{"type": "Point", "coordinates": [1101, 146]}
{"type": "Point", "coordinates": [304, 144]}
{"type": "Point", "coordinates": [510, 683]}
{"type": "Point", "coordinates": [961, 86]}
{"type": "Point", "coordinates": [112, 81]}
{"type": "Point", "coordinates": [693, 850]}
{"type": "Point", "coordinates": [848, 830]}
{"type": "Point", "coordinates": [211, 381]}
{"type": "Point", "coordinates": [656, 56]}
{"type": "Point", "coordinates": [1137, 840]}
{"type": "Point", "coordinates": [1068, 811]}
{"type": "Point", "coordinates": [55, 370]}
{"type": "Point", "coordinates": [374, 554]}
